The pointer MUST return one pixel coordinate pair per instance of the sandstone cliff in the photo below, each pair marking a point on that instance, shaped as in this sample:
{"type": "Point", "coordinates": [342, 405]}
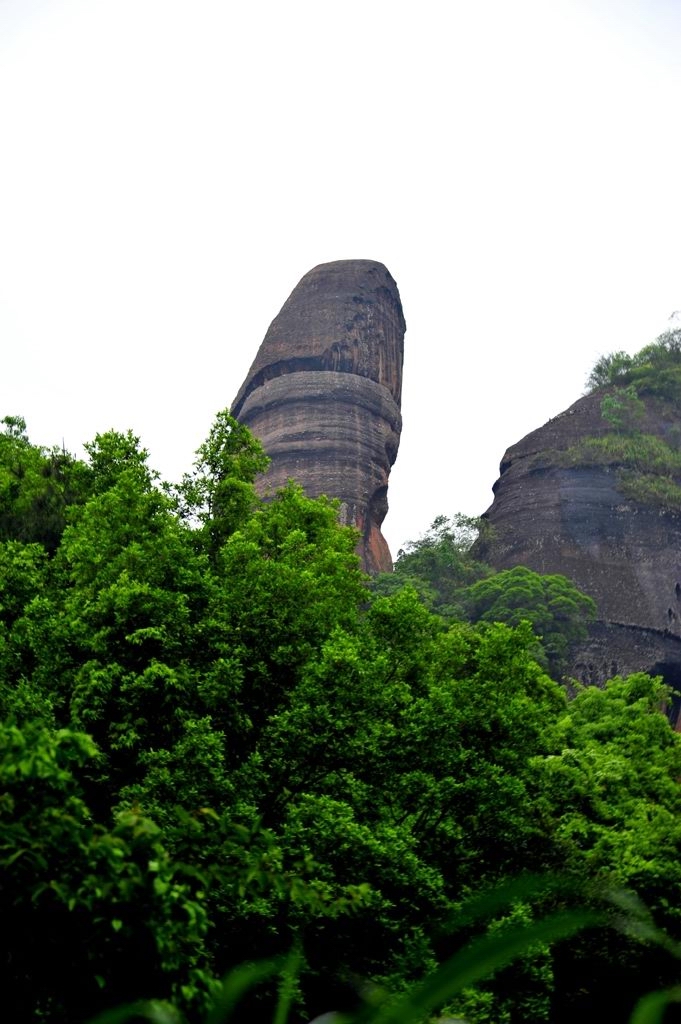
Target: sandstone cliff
{"type": "Point", "coordinates": [323, 394]}
{"type": "Point", "coordinates": [576, 498]}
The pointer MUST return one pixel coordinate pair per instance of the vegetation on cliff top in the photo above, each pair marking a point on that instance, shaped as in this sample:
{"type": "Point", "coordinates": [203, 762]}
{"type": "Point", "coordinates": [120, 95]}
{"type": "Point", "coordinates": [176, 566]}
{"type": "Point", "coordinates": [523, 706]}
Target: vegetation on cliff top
{"type": "Point", "coordinates": [640, 394]}
{"type": "Point", "coordinates": [654, 370]}
{"type": "Point", "coordinates": [216, 745]}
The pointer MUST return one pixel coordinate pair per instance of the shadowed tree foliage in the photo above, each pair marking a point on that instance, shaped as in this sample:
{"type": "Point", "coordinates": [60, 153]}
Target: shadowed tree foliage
{"type": "Point", "coordinates": [558, 612]}
{"type": "Point", "coordinates": [36, 486]}
{"type": "Point", "coordinates": [439, 565]}
{"type": "Point", "coordinates": [443, 571]}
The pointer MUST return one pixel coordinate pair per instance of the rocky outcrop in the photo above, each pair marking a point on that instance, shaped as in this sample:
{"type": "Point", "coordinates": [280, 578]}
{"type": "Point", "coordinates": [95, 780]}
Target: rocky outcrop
{"type": "Point", "coordinates": [559, 509]}
{"type": "Point", "coordinates": [323, 394]}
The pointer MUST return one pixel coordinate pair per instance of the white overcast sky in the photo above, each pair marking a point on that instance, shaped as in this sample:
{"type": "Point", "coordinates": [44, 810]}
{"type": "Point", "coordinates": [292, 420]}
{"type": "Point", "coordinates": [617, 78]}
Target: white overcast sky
{"type": "Point", "coordinates": [169, 171]}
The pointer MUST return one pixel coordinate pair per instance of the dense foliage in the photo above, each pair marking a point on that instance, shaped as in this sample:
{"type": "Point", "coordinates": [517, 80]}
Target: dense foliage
{"type": "Point", "coordinates": [217, 744]}
{"type": "Point", "coordinates": [443, 568]}
{"type": "Point", "coordinates": [654, 370]}
{"type": "Point", "coordinates": [439, 566]}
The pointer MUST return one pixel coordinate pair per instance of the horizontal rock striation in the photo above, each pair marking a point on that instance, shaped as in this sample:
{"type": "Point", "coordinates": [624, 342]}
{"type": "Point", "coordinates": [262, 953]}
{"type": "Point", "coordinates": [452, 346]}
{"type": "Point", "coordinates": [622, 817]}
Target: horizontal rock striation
{"type": "Point", "coordinates": [557, 511]}
{"type": "Point", "coordinates": [323, 394]}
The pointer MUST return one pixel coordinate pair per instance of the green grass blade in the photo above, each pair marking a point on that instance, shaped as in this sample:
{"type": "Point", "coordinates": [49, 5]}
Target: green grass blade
{"type": "Point", "coordinates": [650, 1009]}
{"type": "Point", "coordinates": [153, 1012]}
{"type": "Point", "coordinates": [477, 961]}
{"type": "Point", "coordinates": [289, 977]}
{"type": "Point", "coordinates": [237, 983]}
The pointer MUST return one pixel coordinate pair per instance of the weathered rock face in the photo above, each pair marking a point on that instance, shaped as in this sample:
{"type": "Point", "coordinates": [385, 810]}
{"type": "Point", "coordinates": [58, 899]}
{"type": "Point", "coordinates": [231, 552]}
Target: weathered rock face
{"type": "Point", "coordinates": [555, 517]}
{"type": "Point", "coordinates": [323, 394]}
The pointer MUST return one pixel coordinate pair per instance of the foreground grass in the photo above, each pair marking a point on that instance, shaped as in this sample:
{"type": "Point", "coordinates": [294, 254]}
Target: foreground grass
{"type": "Point", "coordinates": [478, 960]}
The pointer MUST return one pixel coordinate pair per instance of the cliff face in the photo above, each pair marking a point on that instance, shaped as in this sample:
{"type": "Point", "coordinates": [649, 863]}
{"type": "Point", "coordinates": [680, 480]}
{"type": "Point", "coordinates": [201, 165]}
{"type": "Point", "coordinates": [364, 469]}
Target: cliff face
{"type": "Point", "coordinates": [323, 394]}
{"type": "Point", "coordinates": [562, 505]}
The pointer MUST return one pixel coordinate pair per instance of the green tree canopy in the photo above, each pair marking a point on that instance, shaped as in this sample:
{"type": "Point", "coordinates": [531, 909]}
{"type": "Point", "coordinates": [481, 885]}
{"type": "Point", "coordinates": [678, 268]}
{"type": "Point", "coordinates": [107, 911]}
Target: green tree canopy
{"type": "Point", "coordinates": [558, 612]}
{"type": "Point", "coordinates": [439, 565]}
{"type": "Point", "coordinates": [443, 571]}
{"type": "Point", "coordinates": [655, 369]}
{"type": "Point", "coordinates": [36, 486]}
{"type": "Point", "coordinates": [217, 742]}
{"type": "Point", "coordinates": [219, 493]}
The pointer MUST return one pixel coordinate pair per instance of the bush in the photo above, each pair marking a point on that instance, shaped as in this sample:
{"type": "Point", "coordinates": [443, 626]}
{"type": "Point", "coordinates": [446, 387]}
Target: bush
{"type": "Point", "coordinates": [655, 369]}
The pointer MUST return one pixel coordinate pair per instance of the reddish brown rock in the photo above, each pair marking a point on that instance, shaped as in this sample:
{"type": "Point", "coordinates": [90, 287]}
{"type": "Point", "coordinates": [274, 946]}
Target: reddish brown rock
{"type": "Point", "coordinates": [556, 514]}
{"type": "Point", "coordinates": [323, 394]}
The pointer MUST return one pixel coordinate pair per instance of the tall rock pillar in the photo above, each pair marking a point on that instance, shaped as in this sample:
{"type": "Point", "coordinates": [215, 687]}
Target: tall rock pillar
{"type": "Point", "coordinates": [323, 394]}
